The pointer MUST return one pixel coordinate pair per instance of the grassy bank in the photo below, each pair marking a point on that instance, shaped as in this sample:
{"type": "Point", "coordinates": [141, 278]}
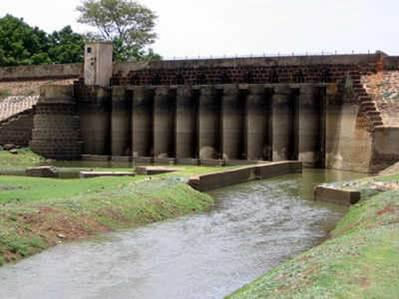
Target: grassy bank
{"type": "Point", "coordinates": [23, 158]}
{"type": "Point", "coordinates": [36, 213]}
{"type": "Point", "coordinates": [360, 260]}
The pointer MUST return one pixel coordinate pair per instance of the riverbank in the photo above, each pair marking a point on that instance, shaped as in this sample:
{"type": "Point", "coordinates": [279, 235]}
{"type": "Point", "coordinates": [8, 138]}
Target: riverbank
{"type": "Point", "coordinates": [19, 159]}
{"type": "Point", "coordinates": [360, 260]}
{"type": "Point", "coordinates": [37, 213]}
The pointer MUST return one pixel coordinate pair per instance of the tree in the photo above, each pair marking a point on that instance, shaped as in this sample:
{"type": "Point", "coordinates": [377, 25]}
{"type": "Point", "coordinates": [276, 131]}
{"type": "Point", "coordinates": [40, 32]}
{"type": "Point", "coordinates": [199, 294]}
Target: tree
{"type": "Point", "coordinates": [128, 24]}
{"type": "Point", "coordinates": [22, 44]}
{"type": "Point", "coordinates": [66, 46]}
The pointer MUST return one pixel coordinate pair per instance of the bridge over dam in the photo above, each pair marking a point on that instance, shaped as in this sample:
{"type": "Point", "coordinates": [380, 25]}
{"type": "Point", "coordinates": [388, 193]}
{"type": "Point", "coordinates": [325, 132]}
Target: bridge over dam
{"type": "Point", "coordinates": [315, 109]}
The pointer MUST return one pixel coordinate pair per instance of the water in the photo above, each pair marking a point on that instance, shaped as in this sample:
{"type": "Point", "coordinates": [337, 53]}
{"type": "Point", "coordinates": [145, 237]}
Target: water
{"type": "Point", "coordinates": [253, 228]}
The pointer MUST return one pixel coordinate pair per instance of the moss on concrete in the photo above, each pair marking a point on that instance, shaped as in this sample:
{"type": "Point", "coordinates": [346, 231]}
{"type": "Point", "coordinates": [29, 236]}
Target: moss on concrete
{"type": "Point", "coordinates": [359, 261]}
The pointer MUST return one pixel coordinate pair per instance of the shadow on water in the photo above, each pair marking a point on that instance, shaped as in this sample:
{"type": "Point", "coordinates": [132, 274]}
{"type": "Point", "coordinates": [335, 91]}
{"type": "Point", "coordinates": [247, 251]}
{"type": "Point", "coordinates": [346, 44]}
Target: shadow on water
{"type": "Point", "coordinates": [252, 228]}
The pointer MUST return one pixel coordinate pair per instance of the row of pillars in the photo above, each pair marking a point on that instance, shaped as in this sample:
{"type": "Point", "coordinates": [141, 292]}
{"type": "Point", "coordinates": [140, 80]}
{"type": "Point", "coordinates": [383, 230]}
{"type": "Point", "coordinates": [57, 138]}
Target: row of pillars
{"type": "Point", "coordinates": [229, 122]}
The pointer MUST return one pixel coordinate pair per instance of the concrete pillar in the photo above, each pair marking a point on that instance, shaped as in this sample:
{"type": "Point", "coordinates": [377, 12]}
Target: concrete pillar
{"type": "Point", "coordinates": [98, 64]}
{"type": "Point", "coordinates": [258, 124]}
{"type": "Point", "coordinates": [186, 123]}
{"type": "Point", "coordinates": [95, 120]}
{"type": "Point", "coordinates": [309, 125]}
{"type": "Point", "coordinates": [142, 122]}
{"type": "Point", "coordinates": [120, 122]}
{"type": "Point", "coordinates": [209, 123]}
{"type": "Point", "coordinates": [232, 123]}
{"type": "Point", "coordinates": [282, 123]}
{"type": "Point", "coordinates": [56, 125]}
{"type": "Point", "coordinates": [164, 123]}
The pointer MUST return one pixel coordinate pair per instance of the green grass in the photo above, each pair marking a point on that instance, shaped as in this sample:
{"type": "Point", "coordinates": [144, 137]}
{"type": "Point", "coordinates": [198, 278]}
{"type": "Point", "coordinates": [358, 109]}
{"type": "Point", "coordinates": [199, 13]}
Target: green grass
{"type": "Point", "coordinates": [23, 158]}
{"type": "Point", "coordinates": [359, 261]}
{"type": "Point", "coordinates": [37, 213]}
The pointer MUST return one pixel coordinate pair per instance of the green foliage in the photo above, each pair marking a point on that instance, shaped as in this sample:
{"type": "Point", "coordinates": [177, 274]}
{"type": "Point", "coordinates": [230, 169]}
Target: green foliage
{"type": "Point", "coordinates": [22, 44]}
{"type": "Point", "coordinates": [66, 46]}
{"type": "Point", "coordinates": [128, 24]}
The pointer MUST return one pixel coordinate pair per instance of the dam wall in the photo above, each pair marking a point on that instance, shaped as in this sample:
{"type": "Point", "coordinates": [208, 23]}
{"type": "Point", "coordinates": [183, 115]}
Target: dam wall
{"type": "Point", "coordinates": [312, 109]}
{"type": "Point", "coordinates": [228, 122]}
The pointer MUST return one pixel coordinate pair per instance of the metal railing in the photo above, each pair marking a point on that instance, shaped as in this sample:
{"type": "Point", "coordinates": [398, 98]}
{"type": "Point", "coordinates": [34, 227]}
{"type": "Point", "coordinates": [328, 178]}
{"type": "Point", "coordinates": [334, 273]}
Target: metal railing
{"type": "Point", "coordinates": [264, 55]}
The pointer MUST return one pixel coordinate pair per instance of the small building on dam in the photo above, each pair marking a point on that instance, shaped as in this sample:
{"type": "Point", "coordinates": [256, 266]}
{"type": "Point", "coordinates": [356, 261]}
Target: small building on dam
{"type": "Point", "coordinates": [316, 109]}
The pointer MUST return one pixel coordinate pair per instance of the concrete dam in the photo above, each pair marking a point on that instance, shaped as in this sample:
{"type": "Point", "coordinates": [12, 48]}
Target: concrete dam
{"type": "Point", "coordinates": [314, 109]}
{"type": "Point", "coordinates": [209, 122]}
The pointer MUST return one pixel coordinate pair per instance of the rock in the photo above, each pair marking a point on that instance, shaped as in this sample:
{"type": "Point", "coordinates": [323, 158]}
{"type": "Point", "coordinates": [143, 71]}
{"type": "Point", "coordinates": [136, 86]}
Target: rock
{"type": "Point", "coordinates": [14, 151]}
{"type": "Point", "coordinates": [42, 171]}
{"type": "Point", "coordinates": [9, 146]}
{"type": "Point", "coordinates": [61, 236]}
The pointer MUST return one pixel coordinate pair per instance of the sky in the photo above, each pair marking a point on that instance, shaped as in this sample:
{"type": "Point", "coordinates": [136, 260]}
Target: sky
{"type": "Point", "coordinates": [192, 28]}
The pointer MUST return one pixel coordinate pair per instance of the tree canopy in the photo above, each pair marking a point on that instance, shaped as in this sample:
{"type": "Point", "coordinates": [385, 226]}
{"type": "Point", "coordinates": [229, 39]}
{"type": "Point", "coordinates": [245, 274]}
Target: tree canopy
{"type": "Point", "coordinates": [128, 24]}
{"type": "Point", "coordinates": [22, 44]}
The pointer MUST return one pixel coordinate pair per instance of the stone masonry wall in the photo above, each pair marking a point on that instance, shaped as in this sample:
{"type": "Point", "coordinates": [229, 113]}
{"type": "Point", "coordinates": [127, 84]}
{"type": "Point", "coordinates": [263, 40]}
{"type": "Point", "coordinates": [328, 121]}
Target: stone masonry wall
{"type": "Point", "coordinates": [294, 69]}
{"type": "Point", "coordinates": [56, 125]}
{"type": "Point", "coordinates": [17, 130]}
{"type": "Point", "coordinates": [41, 72]}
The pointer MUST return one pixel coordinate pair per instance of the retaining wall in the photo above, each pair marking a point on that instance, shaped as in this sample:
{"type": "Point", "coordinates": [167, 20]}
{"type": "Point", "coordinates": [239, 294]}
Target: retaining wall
{"type": "Point", "coordinates": [244, 174]}
{"type": "Point", "coordinates": [41, 72]}
{"type": "Point", "coordinates": [385, 147]}
{"type": "Point", "coordinates": [338, 196]}
{"type": "Point", "coordinates": [56, 125]}
{"type": "Point", "coordinates": [17, 130]}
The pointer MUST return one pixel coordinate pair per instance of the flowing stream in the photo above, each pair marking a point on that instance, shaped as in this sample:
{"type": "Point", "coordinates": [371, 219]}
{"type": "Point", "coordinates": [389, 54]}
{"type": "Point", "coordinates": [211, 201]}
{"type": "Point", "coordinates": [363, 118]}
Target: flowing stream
{"type": "Point", "coordinates": [252, 228]}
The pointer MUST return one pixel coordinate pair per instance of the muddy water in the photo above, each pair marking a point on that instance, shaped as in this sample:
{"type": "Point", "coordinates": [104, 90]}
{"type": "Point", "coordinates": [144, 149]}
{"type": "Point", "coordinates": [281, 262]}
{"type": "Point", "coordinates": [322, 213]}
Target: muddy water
{"type": "Point", "coordinates": [253, 228]}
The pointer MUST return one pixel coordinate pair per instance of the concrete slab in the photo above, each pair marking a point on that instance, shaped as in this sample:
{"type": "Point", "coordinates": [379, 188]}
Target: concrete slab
{"type": "Point", "coordinates": [336, 195]}
{"type": "Point", "coordinates": [94, 174]}
{"type": "Point", "coordinates": [243, 174]}
{"type": "Point", "coordinates": [42, 172]}
{"type": "Point", "coordinates": [153, 170]}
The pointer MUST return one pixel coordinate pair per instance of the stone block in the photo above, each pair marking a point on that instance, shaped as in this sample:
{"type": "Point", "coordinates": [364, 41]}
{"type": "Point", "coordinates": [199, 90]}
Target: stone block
{"type": "Point", "coordinates": [42, 171]}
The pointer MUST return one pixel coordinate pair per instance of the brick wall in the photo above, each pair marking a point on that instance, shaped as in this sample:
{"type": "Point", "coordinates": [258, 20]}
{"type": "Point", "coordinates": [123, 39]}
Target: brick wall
{"type": "Point", "coordinates": [17, 130]}
{"type": "Point", "coordinates": [241, 74]}
{"type": "Point", "coordinates": [56, 125]}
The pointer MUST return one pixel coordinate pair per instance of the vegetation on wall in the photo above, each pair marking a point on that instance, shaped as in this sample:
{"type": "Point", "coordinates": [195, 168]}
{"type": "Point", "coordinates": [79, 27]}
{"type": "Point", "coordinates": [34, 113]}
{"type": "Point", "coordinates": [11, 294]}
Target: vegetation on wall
{"type": "Point", "coordinates": [128, 24]}
{"type": "Point", "coordinates": [22, 44]}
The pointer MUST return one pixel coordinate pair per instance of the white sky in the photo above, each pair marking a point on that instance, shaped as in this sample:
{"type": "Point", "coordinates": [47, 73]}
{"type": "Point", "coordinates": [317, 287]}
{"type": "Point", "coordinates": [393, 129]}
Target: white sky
{"type": "Point", "coordinates": [242, 27]}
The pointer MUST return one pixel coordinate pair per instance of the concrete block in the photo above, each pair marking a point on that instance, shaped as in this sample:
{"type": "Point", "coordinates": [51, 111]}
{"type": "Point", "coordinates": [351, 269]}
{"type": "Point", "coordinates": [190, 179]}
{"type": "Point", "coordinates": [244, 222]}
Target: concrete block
{"type": "Point", "coordinates": [337, 196]}
{"type": "Point", "coordinates": [42, 171]}
{"type": "Point", "coordinates": [95, 174]}
{"type": "Point", "coordinates": [154, 170]}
